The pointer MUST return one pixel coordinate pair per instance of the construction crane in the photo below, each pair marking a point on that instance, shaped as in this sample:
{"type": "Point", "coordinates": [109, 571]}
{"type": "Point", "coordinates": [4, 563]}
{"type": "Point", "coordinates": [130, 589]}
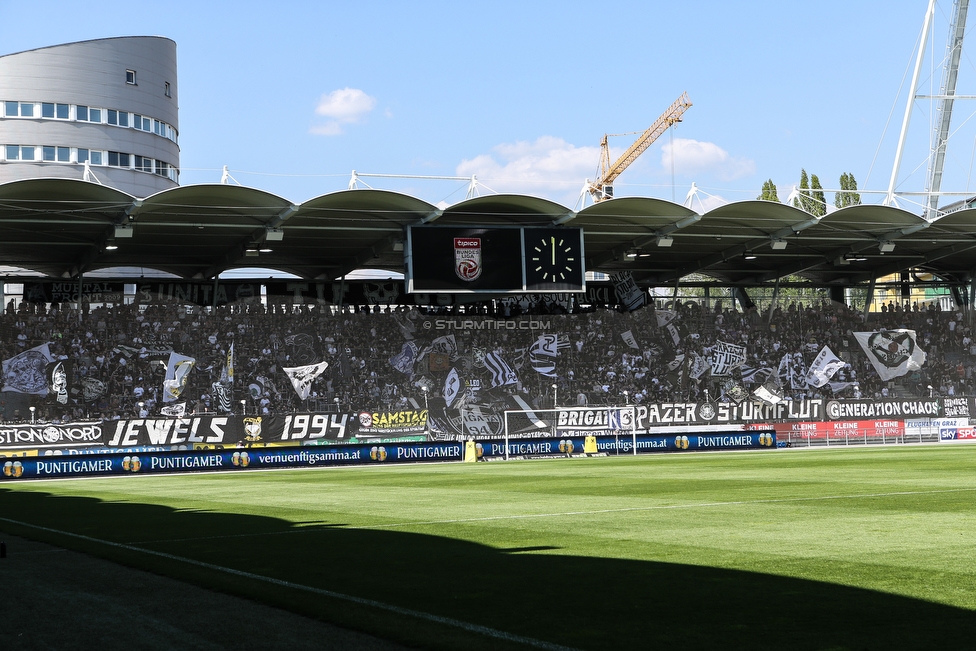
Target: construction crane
{"type": "Point", "coordinates": [602, 188]}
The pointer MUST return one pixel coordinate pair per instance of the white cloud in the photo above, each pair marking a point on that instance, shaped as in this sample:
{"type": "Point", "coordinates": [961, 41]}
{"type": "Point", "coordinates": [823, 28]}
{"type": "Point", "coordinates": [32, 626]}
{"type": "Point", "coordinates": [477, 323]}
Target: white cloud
{"type": "Point", "coordinates": [546, 167]}
{"type": "Point", "coordinates": [343, 106]}
{"type": "Point", "coordinates": [694, 157]}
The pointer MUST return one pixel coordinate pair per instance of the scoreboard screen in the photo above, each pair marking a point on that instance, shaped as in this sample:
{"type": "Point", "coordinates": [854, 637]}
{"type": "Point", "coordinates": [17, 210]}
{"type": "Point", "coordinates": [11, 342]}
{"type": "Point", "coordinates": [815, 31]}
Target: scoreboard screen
{"type": "Point", "coordinates": [495, 260]}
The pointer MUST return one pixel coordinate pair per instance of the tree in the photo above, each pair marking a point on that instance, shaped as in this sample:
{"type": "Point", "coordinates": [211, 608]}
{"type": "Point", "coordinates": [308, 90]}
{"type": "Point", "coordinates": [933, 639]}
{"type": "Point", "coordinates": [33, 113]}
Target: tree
{"type": "Point", "coordinates": [769, 192]}
{"type": "Point", "coordinates": [818, 204]}
{"type": "Point", "coordinates": [848, 196]}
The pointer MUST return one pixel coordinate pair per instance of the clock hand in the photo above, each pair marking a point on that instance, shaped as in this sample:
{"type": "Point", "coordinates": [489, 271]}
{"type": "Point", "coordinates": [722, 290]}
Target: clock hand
{"type": "Point", "coordinates": [554, 251]}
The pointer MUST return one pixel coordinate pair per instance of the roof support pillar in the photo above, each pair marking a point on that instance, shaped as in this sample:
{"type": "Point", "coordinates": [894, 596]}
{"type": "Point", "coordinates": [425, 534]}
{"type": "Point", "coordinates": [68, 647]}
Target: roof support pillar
{"type": "Point", "coordinates": [772, 302]}
{"type": "Point", "coordinates": [868, 299]}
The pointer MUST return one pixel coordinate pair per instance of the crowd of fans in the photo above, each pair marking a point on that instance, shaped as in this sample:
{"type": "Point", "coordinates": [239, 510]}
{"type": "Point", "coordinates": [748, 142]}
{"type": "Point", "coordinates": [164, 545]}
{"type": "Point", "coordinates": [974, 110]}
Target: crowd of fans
{"type": "Point", "coordinates": [399, 358]}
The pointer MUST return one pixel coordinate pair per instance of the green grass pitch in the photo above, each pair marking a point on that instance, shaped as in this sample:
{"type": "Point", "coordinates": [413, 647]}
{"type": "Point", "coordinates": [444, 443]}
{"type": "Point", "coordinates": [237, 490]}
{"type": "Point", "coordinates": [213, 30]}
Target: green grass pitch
{"type": "Point", "coordinates": [869, 548]}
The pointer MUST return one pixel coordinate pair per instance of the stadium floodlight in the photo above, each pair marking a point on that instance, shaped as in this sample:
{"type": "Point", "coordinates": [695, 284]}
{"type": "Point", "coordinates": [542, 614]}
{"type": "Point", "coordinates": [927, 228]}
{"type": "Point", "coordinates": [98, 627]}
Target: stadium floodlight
{"type": "Point", "coordinates": [123, 230]}
{"type": "Point", "coordinates": [665, 241]}
{"type": "Point", "coordinates": [886, 247]}
{"type": "Point", "coordinates": [778, 245]}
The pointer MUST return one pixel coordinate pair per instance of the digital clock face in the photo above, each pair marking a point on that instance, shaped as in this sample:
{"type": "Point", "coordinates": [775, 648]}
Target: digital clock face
{"type": "Point", "coordinates": [553, 259]}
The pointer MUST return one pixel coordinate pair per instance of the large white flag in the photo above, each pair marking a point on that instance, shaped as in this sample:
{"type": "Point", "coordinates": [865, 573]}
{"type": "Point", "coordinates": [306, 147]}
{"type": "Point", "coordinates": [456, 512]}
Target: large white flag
{"type": "Point", "coordinates": [893, 353]}
{"type": "Point", "coordinates": [177, 371]}
{"type": "Point", "coordinates": [302, 377]}
{"type": "Point", "coordinates": [823, 367]}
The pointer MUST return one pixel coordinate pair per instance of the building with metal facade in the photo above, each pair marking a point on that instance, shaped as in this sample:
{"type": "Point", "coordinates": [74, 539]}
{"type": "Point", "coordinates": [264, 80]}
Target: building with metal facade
{"type": "Point", "coordinates": [105, 110]}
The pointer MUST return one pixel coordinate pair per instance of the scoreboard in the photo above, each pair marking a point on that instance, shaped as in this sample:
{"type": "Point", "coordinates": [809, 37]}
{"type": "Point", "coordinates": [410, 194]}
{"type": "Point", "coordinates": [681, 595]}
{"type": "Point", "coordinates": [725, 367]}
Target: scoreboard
{"type": "Point", "coordinates": [495, 260]}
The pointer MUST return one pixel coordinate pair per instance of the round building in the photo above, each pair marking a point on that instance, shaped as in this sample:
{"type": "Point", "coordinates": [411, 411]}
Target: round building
{"type": "Point", "coordinates": [105, 110]}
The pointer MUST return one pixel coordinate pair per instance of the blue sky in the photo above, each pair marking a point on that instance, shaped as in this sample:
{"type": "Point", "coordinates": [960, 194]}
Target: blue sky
{"type": "Point", "coordinates": [293, 96]}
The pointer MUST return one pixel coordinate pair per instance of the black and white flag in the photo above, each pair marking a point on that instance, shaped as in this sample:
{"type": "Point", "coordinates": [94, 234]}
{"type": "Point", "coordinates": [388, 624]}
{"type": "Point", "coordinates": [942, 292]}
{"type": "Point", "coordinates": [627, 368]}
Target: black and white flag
{"type": "Point", "coordinates": [59, 378]}
{"type": "Point", "coordinates": [501, 373]}
{"type": "Point", "coordinates": [222, 398]}
{"type": "Point", "coordinates": [823, 367]}
{"type": "Point", "coordinates": [177, 373]}
{"type": "Point", "coordinates": [726, 357]}
{"type": "Point", "coordinates": [25, 373]}
{"type": "Point", "coordinates": [452, 386]}
{"type": "Point", "coordinates": [892, 353]}
{"type": "Point", "coordinates": [174, 411]}
{"type": "Point", "coordinates": [302, 377]}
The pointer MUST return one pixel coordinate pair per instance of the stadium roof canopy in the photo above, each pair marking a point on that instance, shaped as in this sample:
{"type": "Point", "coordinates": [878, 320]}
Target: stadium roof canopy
{"type": "Point", "coordinates": [61, 228]}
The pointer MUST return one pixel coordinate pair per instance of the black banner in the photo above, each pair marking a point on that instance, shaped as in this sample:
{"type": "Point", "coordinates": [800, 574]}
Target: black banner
{"type": "Point", "coordinates": [197, 293]}
{"type": "Point", "coordinates": [67, 292]}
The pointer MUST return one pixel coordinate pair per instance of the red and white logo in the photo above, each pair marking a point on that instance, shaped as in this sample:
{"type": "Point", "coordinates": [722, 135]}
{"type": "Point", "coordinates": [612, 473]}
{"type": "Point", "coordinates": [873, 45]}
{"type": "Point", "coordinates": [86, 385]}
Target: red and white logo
{"type": "Point", "coordinates": [467, 258]}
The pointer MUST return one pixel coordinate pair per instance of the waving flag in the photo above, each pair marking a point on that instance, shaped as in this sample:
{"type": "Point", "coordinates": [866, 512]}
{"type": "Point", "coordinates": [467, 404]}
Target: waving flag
{"type": "Point", "coordinates": [893, 353]}
{"type": "Point", "coordinates": [26, 372]}
{"type": "Point", "coordinates": [302, 377]}
{"type": "Point", "coordinates": [501, 373]}
{"type": "Point", "coordinates": [177, 371]}
{"type": "Point", "coordinates": [823, 367]}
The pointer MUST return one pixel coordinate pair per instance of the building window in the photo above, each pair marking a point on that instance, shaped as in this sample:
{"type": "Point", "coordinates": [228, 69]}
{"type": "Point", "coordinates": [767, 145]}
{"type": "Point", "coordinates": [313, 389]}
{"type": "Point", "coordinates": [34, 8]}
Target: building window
{"type": "Point", "coordinates": [166, 91]}
{"type": "Point", "coordinates": [47, 153]}
{"type": "Point", "coordinates": [81, 113]}
{"type": "Point", "coordinates": [19, 109]}
{"type": "Point", "coordinates": [113, 117]}
{"type": "Point", "coordinates": [51, 110]}
{"type": "Point", "coordinates": [92, 157]}
{"type": "Point", "coordinates": [130, 77]}
{"type": "Point", "coordinates": [117, 159]}
{"type": "Point", "coordinates": [13, 152]}
{"type": "Point", "coordinates": [94, 115]}
{"type": "Point", "coordinates": [144, 164]}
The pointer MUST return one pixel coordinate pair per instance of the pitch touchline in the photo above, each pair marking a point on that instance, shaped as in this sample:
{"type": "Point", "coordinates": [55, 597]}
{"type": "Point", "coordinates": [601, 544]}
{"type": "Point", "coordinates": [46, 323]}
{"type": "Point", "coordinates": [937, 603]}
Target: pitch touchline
{"type": "Point", "coordinates": [659, 508]}
{"type": "Point", "coordinates": [448, 621]}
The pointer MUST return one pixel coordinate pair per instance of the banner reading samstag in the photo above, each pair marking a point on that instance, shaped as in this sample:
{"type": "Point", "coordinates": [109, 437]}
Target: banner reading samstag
{"type": "Point", "coordinates": [397, 422]}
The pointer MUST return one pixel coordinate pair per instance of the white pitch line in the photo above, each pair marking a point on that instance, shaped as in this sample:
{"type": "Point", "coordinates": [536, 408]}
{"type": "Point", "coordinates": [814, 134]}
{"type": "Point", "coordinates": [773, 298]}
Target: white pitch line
{"type": "Point", "coordinates": [447, 621]}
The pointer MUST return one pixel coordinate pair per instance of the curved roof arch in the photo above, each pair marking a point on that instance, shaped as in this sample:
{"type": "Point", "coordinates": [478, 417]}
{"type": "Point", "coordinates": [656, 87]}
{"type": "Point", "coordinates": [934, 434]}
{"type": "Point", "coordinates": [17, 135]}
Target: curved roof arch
{"type": "Point", "coordinates": [61, 228]}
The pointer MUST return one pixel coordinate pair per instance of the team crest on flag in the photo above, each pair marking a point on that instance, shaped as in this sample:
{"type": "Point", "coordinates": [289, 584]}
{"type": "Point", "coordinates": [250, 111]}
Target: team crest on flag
{"type": "Point", "coordinates": [893, 353]}
{"type": "Point", "coordinates": [25, 373]}
{"type": "Point", "coordinates": [467, 258]}
{"type": "Point", "coordinates": [91, 389]}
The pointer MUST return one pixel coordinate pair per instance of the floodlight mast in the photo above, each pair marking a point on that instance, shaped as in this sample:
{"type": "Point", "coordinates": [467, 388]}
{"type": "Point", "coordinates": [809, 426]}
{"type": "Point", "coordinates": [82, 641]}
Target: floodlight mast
{"type": "Point", "coordinates": [929, 14]}
{"type": "Point", "coordinates": [602, 188]}
{"type": "Point", "coordinates": [957, 32]}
